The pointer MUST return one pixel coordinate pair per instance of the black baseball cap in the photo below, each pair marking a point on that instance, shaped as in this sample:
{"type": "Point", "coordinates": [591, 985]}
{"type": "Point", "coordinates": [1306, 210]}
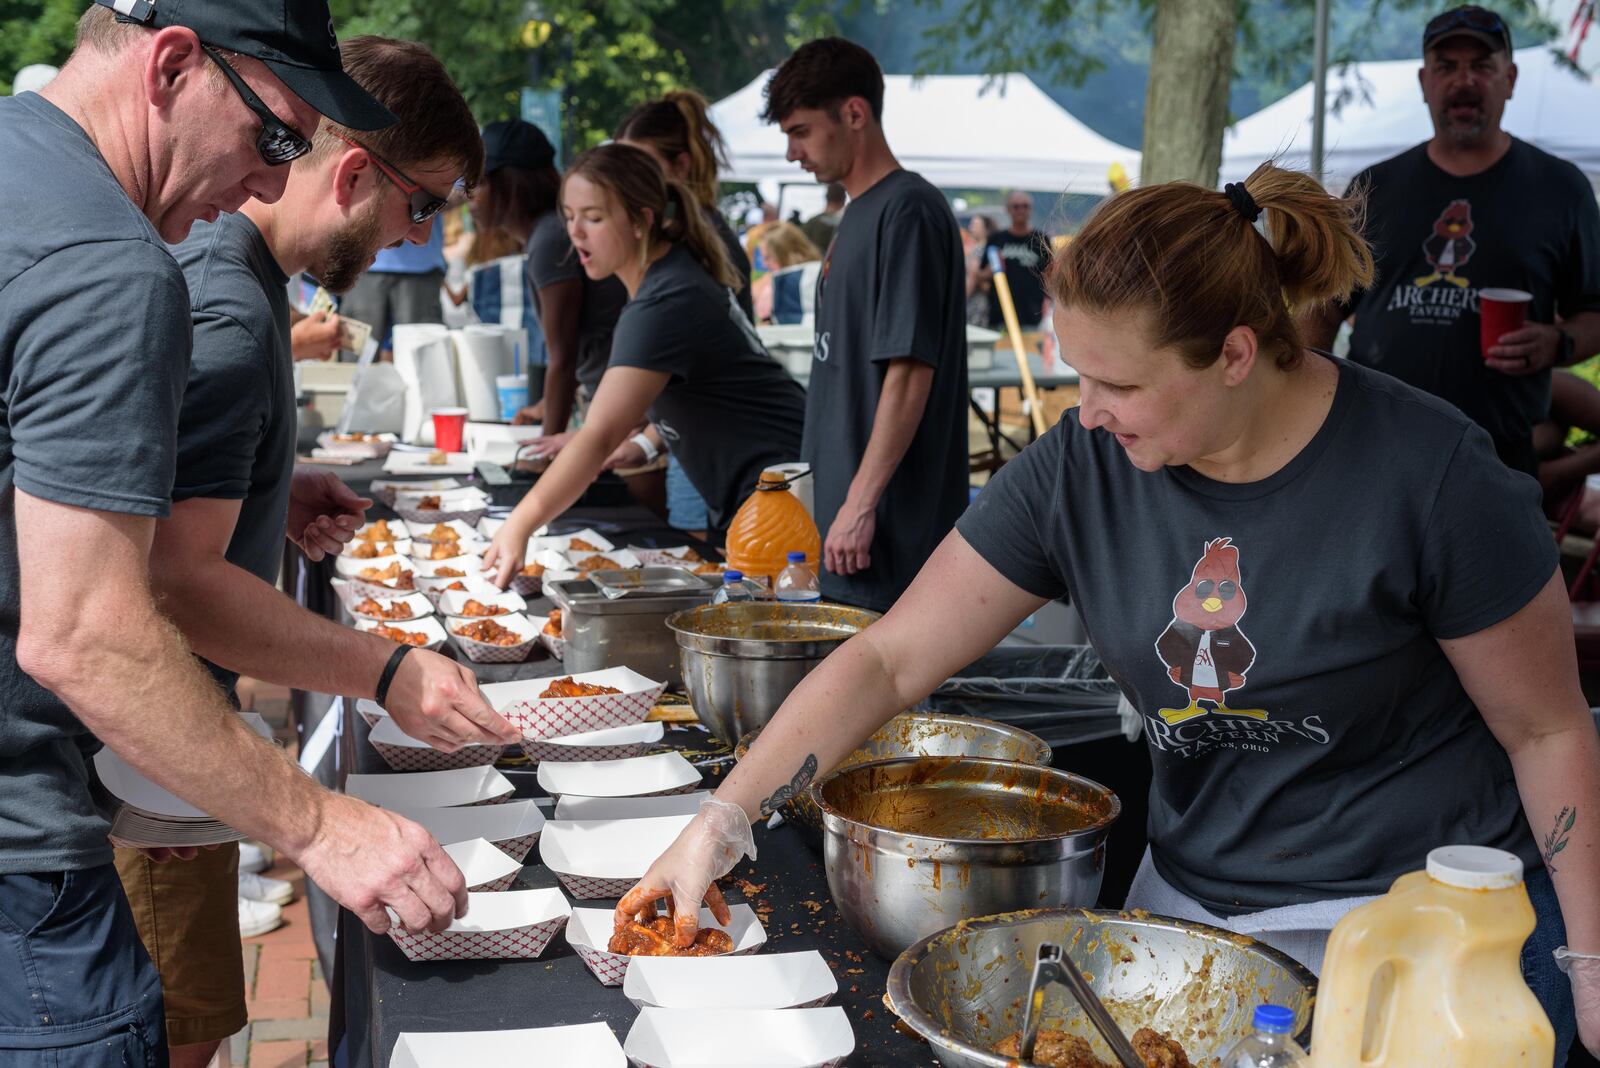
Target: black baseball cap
{"type": "Point", "coordinates": [1469, 20]}
{"type": "Point", "coordinates": [294, 38]}
{"type": "Point", "coordinates": [514, 143]}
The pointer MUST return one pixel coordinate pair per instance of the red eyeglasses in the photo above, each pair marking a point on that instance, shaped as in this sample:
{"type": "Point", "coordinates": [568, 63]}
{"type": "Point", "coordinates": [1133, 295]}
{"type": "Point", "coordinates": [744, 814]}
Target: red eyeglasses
{"type": "Point", "coordinates": [424, 205]}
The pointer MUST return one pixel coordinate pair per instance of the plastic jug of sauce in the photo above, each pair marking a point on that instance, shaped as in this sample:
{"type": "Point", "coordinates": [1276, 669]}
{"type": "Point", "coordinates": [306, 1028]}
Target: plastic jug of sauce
{"type": "Point", "coordinates": [767, 527]}
{"type": "Point", "coordinates": [1430, 973]}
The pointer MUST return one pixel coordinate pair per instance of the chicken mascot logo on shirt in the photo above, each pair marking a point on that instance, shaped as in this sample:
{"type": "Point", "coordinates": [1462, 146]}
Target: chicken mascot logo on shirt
{"type": "Point", "coordinates": [1205, 651]}
{"type": "Point", "coordinates": [1450, 246]}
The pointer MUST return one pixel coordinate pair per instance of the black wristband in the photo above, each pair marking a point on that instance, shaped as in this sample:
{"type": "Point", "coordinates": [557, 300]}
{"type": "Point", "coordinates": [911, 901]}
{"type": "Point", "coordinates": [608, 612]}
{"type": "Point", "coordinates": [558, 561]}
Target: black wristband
{"type": "Point", "coordinates": [382, 694]}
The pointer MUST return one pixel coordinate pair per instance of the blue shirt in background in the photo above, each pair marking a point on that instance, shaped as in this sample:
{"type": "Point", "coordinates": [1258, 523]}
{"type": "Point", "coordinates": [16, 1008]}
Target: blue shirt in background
{"type": "Point", "coordinates": [413, 259]}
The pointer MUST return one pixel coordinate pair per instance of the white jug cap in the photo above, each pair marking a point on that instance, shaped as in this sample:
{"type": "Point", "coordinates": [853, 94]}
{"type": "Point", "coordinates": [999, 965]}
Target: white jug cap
{"type": "Point", "coordinates": [1475, 867]}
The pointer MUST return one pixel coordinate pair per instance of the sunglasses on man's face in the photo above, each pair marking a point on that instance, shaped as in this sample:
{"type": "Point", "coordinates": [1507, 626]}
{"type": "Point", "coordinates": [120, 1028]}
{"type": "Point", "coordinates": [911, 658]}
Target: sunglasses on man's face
{"type": "Point", "coordinates": [278, 142]}
{"type": "Point", "coordinates": [424, 205]}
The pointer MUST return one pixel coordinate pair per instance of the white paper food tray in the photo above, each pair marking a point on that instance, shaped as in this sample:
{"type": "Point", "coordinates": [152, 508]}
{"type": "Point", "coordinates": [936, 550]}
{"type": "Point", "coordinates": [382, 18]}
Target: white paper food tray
{"type": "Point", "coordinates": [350, 567]}
{"type": "Point", "coordinates": [547, 717]}
{"type": "Point", "coordinates": [405, 753]}
{"type": "Point", "coordinates": [431, 789]}
{"type": "Point", "coordinates": [489, 653]}
{"type": "Point", "coordinates": [367, 450]}
{"type": "Point", "coordinates": [416, 463]}
{"type": "Point", "coordinates": [645, 776]}
{"type": "Point", "coordinates": [560, 542]}
{"type": "Point", "coordinates": [624, 560]}
{"type": "Point", "coordinates": [589, 932]}
{"type": "Point", "coordinates": [452, 602]}
{"type": "Point", "coordinates": [556, 647]}
{"type": "Point", "coordinates": [420, 532]}
{"type": "Point", "coordinates": [430, 568]}
{"type": "Point", "coordinates": [131, 787]}
{"type": "Point", "coordinates": [512, 827]}
{"type": "Point", "coordinates": [513, 924]}
{"type": "Point", "coordinates": [590, 1045]}
{"type": "Point", "coordinates": [764, 981]}
{"type": "Point", "coordinates": [574, 807]}
{"type": "Point", "coordinates": [555, 569]}
{"type": "Point", "coordinates": [613, 743]}
{"type": "Point", "coordinates": [359, 587]}
{"type": "Point", "coordinates": [429, 626]}
{"type": "Point", "coordinates": [397, 527]}
{"type": "Point", "coordinates": [476, 586]}
{"type": "Point", "coordinates": [418, 606]}
{"type": "Point", "coordinates": [384, 489]}
{"type": "Point", "coordinates": [487, 869]}
{"type": "Point", "coordinates": [740, 1038]}
{"type": "Point", "coordinates": [604, 858]}
{"type": "Point", "coordinates": [498, 442]}
{"type": "Point", "coordinates": [371, 711]}
{"type": "Point", "coordinates": [464, 499]}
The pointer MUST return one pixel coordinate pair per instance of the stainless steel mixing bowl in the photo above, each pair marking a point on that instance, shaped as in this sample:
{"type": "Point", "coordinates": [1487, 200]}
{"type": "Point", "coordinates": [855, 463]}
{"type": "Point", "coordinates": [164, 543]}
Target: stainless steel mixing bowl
{"type": "Point", "coordinates": [913, 846]}
{"type": "Point", "coordinates": [963, 989]}
{"type": "Point", "coordinates": [741, 660]}
{"type": "Point", "coordinates": [914, 734]}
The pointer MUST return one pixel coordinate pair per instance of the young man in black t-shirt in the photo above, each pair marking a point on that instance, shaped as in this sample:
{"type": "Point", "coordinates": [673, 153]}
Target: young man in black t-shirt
{"type": "Point", "coordinates": [1025, 254]}
{"type": "Point", "coordinates": [1471, 209]}
{"type": "Point", "coordinates": [886, 406]}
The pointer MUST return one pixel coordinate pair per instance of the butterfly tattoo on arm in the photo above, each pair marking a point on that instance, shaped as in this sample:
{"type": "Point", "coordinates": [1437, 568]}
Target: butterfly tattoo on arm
{"type": "Point", "coordinates": [796, 787]}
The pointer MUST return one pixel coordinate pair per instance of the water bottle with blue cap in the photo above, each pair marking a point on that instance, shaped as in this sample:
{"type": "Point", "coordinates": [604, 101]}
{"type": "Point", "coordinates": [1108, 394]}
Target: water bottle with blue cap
{"type": "Point", "coordinates": [1271, 1046]}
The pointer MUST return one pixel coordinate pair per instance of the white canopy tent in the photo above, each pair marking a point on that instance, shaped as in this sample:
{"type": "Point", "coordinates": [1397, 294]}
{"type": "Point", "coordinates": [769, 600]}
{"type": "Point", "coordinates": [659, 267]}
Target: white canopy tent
{"type": "Point", "coordinates": [1383, 114]}
{"type": "Point", "coordinates": [950, 129]}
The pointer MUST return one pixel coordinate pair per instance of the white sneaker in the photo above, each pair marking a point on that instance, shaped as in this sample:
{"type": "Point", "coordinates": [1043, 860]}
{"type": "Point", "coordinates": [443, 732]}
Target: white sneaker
{"type": "Point", "coordinates": [252, 857]}
{"type": "Point", "coordinates": [254, 887]}
{"type": "Point", "coordinates": [258, 917]}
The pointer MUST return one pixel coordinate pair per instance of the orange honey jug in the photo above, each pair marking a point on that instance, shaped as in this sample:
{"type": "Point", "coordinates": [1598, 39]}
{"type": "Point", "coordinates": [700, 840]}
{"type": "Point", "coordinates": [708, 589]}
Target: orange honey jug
{"type": "Point", "coordinates": [770, 525]}
{"type": "Point", "coordinates": [1430, 974]}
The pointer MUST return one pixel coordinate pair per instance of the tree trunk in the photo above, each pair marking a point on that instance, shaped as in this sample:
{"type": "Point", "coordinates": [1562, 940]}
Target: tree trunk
{"type": "Point", "coordinates": [1186, 101]}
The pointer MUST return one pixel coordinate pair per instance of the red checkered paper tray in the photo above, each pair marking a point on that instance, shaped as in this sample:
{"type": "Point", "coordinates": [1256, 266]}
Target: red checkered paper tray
{"type": "Point", "coordinates": [428, 625]}
{"type": "Point", "coordinates": [575, 807]}
{"type": "Point", "coordinates": [613, 743]}
{"type": "Point", "coordinates": [765, 1038]}
{"type": "Point", "coordinates": [590, 1045]}
{"type": "Point", "coordinates": [454, 602]}
{"type": "Point", "coordinates": [433, 588]}
{"type": "Point", "coordinates": [489, 653]}
{"type": "Point", "coordinates": [767, 981]}
{"type": "Point", "coordinates": [550, 717]}
{"type": "Point", "coordinates": [604, 858]}
{"type": "Point", "coordinates": [589, 932]}
{"type": "Point", "coordinates": [384, 489]}
{"type": "Point", "coordinates": [466, 506]}
{"type": "Point", "coordinates": [431, 789]}
{"type": "Point", "coordinates": [515, 924]}
{"type": "Point", "coordinates": [416, 606]}
{"type": "Point", "coordinates": [513, 827]}
{"type": "Point", "coordinates": [405, 753]}
{"type": "Point", "coordinates": [488, 870]}
{"type": "Point", "coordinates": [645, 776]}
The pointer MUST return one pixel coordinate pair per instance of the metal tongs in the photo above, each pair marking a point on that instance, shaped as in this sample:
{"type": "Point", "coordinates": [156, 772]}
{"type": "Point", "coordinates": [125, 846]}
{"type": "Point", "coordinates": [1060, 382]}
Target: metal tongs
{"type": "Point", "coordinates": [1054, 966]}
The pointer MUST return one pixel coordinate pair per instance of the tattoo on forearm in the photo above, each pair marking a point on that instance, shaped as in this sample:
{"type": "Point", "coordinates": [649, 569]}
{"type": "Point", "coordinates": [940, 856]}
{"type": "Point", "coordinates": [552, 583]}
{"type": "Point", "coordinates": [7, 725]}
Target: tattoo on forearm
{"type": "Point", "coordinates": [797, 786]}
{"type": "Point", "coordinates": [1556, 840]}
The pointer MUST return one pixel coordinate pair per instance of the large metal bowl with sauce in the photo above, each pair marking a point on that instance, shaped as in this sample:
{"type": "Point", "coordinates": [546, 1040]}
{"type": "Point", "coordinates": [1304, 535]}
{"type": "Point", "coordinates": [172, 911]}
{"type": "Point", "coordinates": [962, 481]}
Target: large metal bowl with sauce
{"type": "Point", "coordinates": [963, 989]}
{"type": "Point", "coordinates": [741, 660]}
{"type": "Point", "coordinates": [916, 734]}
{"type": "Point", "coordinates": [914, 846]}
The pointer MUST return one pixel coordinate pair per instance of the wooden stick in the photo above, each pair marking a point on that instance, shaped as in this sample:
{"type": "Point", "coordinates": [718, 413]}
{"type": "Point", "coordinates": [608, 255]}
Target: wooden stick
{"type": "Point", "coordinates": [1008, 310]}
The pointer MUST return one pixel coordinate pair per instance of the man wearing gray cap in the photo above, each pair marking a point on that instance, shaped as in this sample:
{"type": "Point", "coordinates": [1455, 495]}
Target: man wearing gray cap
{"type": "Point", "coordinates": [166, 113]}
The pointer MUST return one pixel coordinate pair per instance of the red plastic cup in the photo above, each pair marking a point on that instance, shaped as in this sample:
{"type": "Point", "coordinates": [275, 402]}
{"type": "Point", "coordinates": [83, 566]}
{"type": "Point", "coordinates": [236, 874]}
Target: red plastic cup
{"type": "Point", "coordinates": [1500, 311]}
{"type": "Point", "coordinates": [448, 426]}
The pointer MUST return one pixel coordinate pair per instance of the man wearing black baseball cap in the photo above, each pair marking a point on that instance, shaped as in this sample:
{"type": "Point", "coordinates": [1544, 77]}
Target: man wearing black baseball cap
{"type": "Point", "coordinates": [1475, 209]}
{"type": "Point", "coordinates": [171, 114]}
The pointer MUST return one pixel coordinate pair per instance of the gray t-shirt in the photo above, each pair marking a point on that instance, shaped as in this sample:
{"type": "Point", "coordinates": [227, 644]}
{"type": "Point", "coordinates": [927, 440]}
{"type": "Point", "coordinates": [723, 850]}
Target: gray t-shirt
{"type": "Point", "coordinates": [1281, 637]}
{"type": "Point", "coordinates": [551, 259]}
{"type": "Point", "coordinates": [893, 285]}
{"type": "Point", "coordinates": [730, 409]}
{"type": "Point", "coordinates": [236, 433]}
{"type": "Point", "coordinates": [94, 335]}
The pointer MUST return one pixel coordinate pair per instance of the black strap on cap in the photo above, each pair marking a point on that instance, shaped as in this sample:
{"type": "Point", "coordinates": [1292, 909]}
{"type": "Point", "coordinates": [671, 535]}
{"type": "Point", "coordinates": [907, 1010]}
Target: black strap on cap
{"type": "Point", "coordinates": [1242, 201]}
{"type": "Point", "coordinates": [382, 694]}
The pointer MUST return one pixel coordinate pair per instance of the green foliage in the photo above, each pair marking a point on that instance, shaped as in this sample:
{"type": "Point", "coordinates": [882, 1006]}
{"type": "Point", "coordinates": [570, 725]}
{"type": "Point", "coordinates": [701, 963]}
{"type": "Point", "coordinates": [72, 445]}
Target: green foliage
{"type": "Point", "coordinates": [35, 31]}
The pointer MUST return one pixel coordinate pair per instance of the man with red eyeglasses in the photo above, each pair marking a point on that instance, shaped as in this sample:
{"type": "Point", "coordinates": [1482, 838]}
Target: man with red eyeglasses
{"type": "Point", "coordinates": [215, 559]}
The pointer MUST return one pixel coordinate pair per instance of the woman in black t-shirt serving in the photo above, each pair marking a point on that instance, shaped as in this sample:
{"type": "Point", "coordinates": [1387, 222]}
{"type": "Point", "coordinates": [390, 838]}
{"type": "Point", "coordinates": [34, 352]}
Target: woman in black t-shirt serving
{"type": "Point", "coordinates": [684, 357]}
{"type": "Point", "coordinates": [1337, 613]}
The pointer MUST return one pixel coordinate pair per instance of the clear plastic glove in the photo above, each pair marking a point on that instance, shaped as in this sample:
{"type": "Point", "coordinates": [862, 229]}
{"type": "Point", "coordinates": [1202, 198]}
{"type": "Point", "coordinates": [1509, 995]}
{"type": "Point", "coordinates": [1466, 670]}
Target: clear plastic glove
{"type": "Point", "coordinates": [1584, 971]}
{"type": "Point", "coordinates": [688, 871]}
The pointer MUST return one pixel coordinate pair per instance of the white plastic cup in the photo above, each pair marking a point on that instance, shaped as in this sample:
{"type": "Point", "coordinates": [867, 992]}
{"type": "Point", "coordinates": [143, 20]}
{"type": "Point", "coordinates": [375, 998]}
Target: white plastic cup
{"type": "Point", "coordinates": [513, 390]}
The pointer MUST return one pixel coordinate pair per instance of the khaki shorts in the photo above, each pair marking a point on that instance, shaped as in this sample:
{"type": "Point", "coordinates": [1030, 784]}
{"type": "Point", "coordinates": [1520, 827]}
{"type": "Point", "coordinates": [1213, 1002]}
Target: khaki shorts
{"type": "Point", "coordinates": [188, 917]}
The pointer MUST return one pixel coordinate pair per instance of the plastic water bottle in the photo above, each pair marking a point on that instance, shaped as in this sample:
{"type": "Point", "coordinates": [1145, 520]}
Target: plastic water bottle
{"type": "Point", "coordinates": [1272, 1045]}
{"type": "Point", "coordinates": [797, 583]}
{"type": "Point", "coordinates": [734, 588]}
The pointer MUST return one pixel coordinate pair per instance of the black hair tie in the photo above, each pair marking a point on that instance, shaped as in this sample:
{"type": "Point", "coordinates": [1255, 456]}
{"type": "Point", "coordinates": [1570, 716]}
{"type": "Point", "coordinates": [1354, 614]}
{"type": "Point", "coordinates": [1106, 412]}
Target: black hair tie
{"type": "Point", "coordinates": [1242, 201]}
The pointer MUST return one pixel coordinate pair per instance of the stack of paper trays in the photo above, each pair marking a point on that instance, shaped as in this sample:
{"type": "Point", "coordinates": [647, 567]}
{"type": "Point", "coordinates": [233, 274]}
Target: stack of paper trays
{"type": "Point", "coordinates": [145, 816]}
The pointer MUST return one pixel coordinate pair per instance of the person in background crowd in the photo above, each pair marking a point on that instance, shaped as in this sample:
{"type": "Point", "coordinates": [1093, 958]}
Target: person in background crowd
{"type": "Point", "coordinates": [980, 280]}
{"type": "Point", "coordinates": [1197, 506]}
{"type": "Point", "coordinates": [684, 357]}
{"type": "Point", "coordinates": [215, 559]}
{"type": "Point", "coordinates": [820, 227]}
{"type": "Point", "coordinates": [678, 133]}
{"type": "Point", "coordinates": [521, 193]}
{"type": "Point", "coordinates": [150, 126]}
{"type": "Point", "coordinates": [781, 295]}
{"type": "Point", "coordinates": [1574, 405]}
{"type": "Point", "coordinates": [1025, 254]}
{"type": "Point", "coordinates": [1470, 209]}
{"type": "Point", "coordinates": [403, 285]}
{"type": "Point", "coordinates": [886, 406]}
